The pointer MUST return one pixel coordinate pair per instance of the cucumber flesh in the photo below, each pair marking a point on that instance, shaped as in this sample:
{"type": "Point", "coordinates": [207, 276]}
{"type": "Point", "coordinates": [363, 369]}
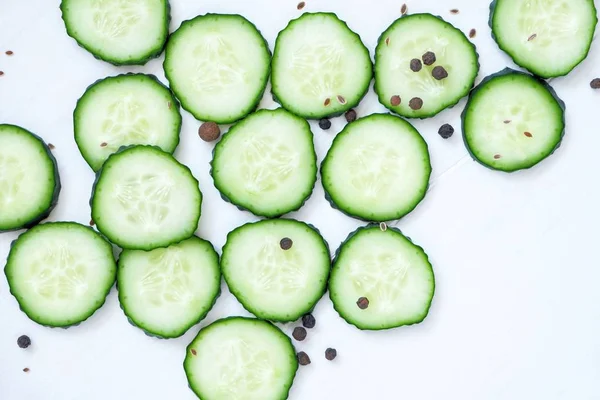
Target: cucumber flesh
{"type": "Point", "coordinates": [125, 110]}
{"type": "Point", "coordinates": [377, 168]}
{"type": "Point", "coordinates": [320, 67]}
{"type": "Point", "coordinates": [122, 32]}
{"type": "Point", "coordinates": [273, 283]}
{"type": "Point", "coordinates": [549, 38]}
{"type": "Point", "coordinates": [218, 66]}
{"type": "Point", "coordinates": [60, 272]}
{"type": "Point", "coordinates": [167, 291]}
{"type": "Point", "coordinates": [241, 359]}
{"type": "Point", "coordinates": [267, 163]}
{"type": "Point", "coordinates": [144, 199]}
{"type": "Point", "coordinates": [387, 269]}
{"type": "Point", "coordinates": [512, 121]}
{"type": "Point", "coordinates": [29, 181]}
{"type": "Point", "coordinates": [410, 37]}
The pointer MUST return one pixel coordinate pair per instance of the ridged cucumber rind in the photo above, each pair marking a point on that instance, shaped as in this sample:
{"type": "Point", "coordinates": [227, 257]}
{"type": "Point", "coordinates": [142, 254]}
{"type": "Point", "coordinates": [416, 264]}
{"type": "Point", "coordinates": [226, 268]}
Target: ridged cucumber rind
{"type": "Point", "coordinates": [249, 208]}
{"type": "Point", "coordinates": [546, 85]}
{"type": "Point", "coordinates": [205, 117]}
{"type": "Point", "coordinates": [350, 104]}
{"type": "Point", "coordinates": [378, 90]}
{"type": "Point", "coordinates": [87, 92]}
{"type": "Point", "coordinates": [29, 313]}
{"type": "Point", "coordinates": [292, 316]}
{"type": "Point", "coordinates": [57, 185]}
{"type": "Point", "coordinates": [150, 55]}
{"type": "Point", "coordinates": [357, 324]}
{"type": "Point", "coordinates": [530, 68]}
{"type": "Point", "coordinates": [162, 335]}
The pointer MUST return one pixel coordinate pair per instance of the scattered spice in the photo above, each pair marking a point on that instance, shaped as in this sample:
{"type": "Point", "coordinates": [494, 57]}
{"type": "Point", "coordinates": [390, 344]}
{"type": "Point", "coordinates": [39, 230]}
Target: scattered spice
{"type": "Point", "coordinates": [415, 103]}
{"type": "Point", "coordinates": [507, 121]}
{"type": "Point", "coordinates": [404, 9]}
{"type": "Point", "coordinates": [209, 131]}
{"type": "Point", "coordinates": [472, 33]}
{"type": "Point", "coordinates": [350, 115]}
{"type": "Point", "coordinates": [303, 358]}
{"type": "Point", "coordinates": [103, 144]}
{"type": "Point", "coordinates": [532, 37]}
{"type": "Point", "coordinates": [330, 354]}
{"type": "Point", "coordinates": [446, 131]}
{"type": "Point", "coordinates": [439, 73]}
{"type": "Point", "coordinates": [194, 352]}
{"type": "Point", "coordinates": [415, 65]}
{"type": "Point", "coordinates": [301, 5]}
{"type": "Point", "coordinates": [25, 370]}
{"type": "Point", "coordinates": [595, 83]}
{"type": "Point", "coordinates": [497, 156]}
{"type": "Point", "coordinates": [1, 73]}
{"type": "Point", "coordinates": [363, 303]}
{"type": "Point", "coordinates": [341, 99]}
{"type": "Point", "coordinates": [286, 243]}
{"type": "Point", "coordinates": [309, 321]}
{"type": "Point", "coordinates": [395, 100]}
{"type": "Point", "coordinates": [327, 102]}
{"type": "Point", "coordinates": [51, 146]}
{"type": "Point", "coordinates": [387, 41]}
{"type": "Point", "coordinates": [24, 341]}
{"type": "Point", "coordinates": [324, 124]}
{"type": "Point", "coordinates": [454, 11]}
{"type": "Point", "coordinates": [528, 134]}
{"type": "Point", "coordinates": [383, 226]}
{"type": "Point", "coordinates": [92, 223]}
{"type": "Point", "coordinates": [299, 333]}
{"type": "Point", "coordinates": [9, 53]}
{"type": "Point", "coordinates": [429, 58]}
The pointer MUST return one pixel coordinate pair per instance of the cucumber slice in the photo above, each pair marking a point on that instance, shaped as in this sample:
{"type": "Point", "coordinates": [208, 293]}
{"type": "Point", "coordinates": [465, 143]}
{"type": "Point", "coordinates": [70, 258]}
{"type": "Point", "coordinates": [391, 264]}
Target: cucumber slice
{"type": "Point", "coordinates": [167, 291]}
{"type": "Point", "coordinates": [29, 181]}
{"type": "Point", "coordinates": [321, 68]}
{"type": "Point", "coordinates": [377, 168]}
{"type": "Point", "coordinates": [273, 283]}
{"type": "Point", "coordinates": [512, 121]}
{"type": "Point", "coordinates": [218, 66]}
{"type": "Point", "coordinates": [411, 37]}
{"type": "Point", "coordinates": [241, 359]}
{"type": "Point", "coordinates": [267, 163]}
{"type": "Point", "coordinates": [549, 38]}
{"type": "Point", "coordinates": [124, 110]}
{"type": "Point", "coordinates": [144, 198]}
{"type": "Point", "coordinates": [60, 272]}
{"type": "Point", "coordinates": [121, 32]}
{"type": "Point", "coordinates": [389, 271]}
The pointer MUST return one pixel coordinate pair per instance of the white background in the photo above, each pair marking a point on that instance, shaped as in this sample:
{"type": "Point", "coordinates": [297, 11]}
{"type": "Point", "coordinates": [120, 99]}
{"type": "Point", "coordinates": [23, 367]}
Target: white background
{"type": "Point", "coordinates": [517, 309]}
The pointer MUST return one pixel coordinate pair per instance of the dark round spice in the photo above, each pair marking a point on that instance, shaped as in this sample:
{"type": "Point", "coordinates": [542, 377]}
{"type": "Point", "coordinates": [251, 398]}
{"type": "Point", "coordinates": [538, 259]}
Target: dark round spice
{"type": "Point", "coordinates": [429, 58]}
{"type": "Point", "coordinates": [24, 341]}
{"type": "Point", "coordinates": [415, 65]}
{"type": "Point", "coordinates": [308, 321]}
{"type": "Point", "coordinates": [303, 358]}
{"type": "Point", "coordinates": [439, 73]}
{"type": "Point", "coordinates": [446, 131]}
{"type": "Point", "coordinates": [299, 333]}
{"type": "Point", "coordinates": [363, 303]}
{"type": "Point", "coordinates": [415, 103]}
{"type": "Point", "coordinates": [350, 115]}
{"type": "Point", "coordinates": [595, 84]}
{"type": "Point", "coordinates": [286, 243]}
{"type": "Point", "coordinates": [209, 131]}
{"type": "Point", "coordinates": [395, 100]}
{"type": "Point", "coordinates": [330, 354]}
{"type": "Point", "coordinates": [324, 124]}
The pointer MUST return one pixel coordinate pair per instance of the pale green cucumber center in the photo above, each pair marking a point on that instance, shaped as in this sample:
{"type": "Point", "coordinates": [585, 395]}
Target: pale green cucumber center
{"type": "Point", "coordinates": [544, 22]}
{"type": "Point", "coordinates": [126, 122]}
{"type": "Point", "coordinates": [11, 178]}
{"type": "Point", "coordinates": [117, 18]}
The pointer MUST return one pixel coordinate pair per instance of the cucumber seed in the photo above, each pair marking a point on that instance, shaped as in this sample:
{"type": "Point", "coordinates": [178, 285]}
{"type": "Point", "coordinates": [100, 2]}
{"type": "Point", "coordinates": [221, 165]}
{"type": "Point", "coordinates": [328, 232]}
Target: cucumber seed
{"type": "Point", "coordinates": [532, 37]}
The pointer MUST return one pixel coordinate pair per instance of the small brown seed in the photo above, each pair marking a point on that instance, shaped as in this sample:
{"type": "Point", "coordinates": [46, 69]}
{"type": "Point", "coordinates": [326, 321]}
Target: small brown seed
{"type": "Point", "coordinates": [497, 156]}
{"type": "Point", "coordinates": [51, 146]}
{"type": "Point", "coordinates": [404, 9]}
{"type": "Point", "coordinates": [330, 354]}
{"type": "Point", "coordinates": [454, 11]}
{"type": "Point", "coordinates": [301, 5]}
{"type": "Point", "coordinates": [415, 65]}
{"type": "Point", "coordinates": [299, 333]}
{"type": "Point", "coordinates": [528, 134]}
{"type": "Point", "coordinates": [9, 53]}
{"type": "Point", "coordinates": [303, 358]}
{"type": "Point", "coordinates": [439, 73]}
{"type": "Point", "coordinates": [103, 144]}
{"type": "Point", "coordinates": [415, 103]}
{"type": "Point", "coordinates": [395, 100]}
{"type": "Point", "coordinates": [327, 101]}
{"type": "Point", "coordinates": [25, 370]}
{"type": "Point", "coordinates": [350, 115]}
{"type": "Point", "coordinates": [363, 303]}
{"type": "Point", "coordinates": [595, 83]}
{"type": "Point", "coordinates": [1, 73]}
{"type": "Point", "coordinates": [286, 243]}
{"type": "Point", "coordinates": [532, 37]}
{"type": "Point", "coordinates": [383, 226]}
{"type": "Point", "coordinates": [387, 41]}
{"type": "Point", "coordinates": [429, 58]}
{"type": "Point", "coordinates": [341, 99]}
{"type": "Point", "coordinates": [472, 33]}
{"type": "Point", "coordinates": [194, 352]}
{"type": "Point", "coordinates": [209, 131]}
{"type": "Point", "coordinates": [507, 121]}
{"type": "Point", "coordinates": [92, 223]}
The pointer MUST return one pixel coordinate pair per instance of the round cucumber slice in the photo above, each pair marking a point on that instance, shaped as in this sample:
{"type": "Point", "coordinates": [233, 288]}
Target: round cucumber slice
{"type": "Point", "coordinates": [512, 121]}
{"type": "Point", "coordinates": [125, 110]}
{"type": "Point", "coordinates": [549, 38]}
{"type": "Point", "coordinates": [218, 66]}
{"type": "Point", "coordinates": [321, 68]}
{"type": "Point", "coordinates": [144, 198]}
{"type": "Point", "coordinates": [29, 180]}
{"type": "Point", "coordinates": [60, 273]}
{"type": "Point", "coordinates": [241, 359]}
{"type": "Point", "coordinates": [410, 38]}
{"type": "Point", "coordinates": [167, 291]}
{"type": "Point", "coordinates": [381, 280]}
{"type": "Point", "coordinates": [277, 269]}
{"type": "Point", "coordinates": [377, 168]}
{"type": "Point", "coordinates": [267, 163]}
{"type": "Point", "coordinates": [121, 32]}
